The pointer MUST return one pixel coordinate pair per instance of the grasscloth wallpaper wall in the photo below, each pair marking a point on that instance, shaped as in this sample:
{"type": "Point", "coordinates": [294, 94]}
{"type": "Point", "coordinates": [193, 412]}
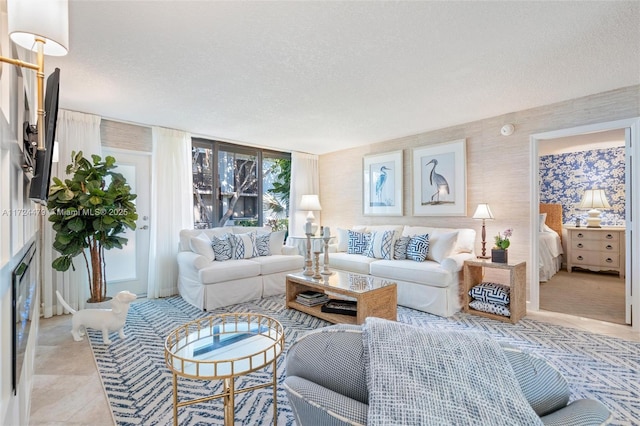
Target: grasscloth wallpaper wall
{"type": "Point", "coordinates": [564, 177]}
{"type": "Point", "coordinates": [498, 167]}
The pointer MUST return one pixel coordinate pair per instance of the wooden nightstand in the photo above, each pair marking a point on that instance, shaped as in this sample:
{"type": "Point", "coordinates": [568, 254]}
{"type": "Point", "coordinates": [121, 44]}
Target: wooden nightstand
{"type": "Point", "coordinates": [474, 275]}
{"type": "Point", "coordinates": [596, 249]}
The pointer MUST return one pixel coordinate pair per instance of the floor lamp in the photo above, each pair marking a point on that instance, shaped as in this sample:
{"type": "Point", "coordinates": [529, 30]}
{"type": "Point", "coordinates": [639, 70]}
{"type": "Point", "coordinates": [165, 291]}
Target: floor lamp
{"type": "Point", "coordinates": [483, 212]}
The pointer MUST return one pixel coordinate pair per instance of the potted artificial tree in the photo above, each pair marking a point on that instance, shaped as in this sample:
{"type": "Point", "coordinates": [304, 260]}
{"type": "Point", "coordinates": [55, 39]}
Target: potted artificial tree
{"type": "Point", "coordinates": [90, 212]}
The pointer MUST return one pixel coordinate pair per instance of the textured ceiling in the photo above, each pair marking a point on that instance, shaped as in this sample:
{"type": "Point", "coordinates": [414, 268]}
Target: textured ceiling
{"type": "Point", "coordinates": [323, 76]}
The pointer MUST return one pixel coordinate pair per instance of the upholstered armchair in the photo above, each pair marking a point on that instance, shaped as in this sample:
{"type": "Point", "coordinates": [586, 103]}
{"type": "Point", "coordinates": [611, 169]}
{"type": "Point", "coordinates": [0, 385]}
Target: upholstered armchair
{"type": "Point", "coordinates": [326, 383]}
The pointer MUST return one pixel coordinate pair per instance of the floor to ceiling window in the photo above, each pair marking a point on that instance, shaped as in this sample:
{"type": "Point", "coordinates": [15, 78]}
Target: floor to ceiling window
{"type": "Point", "coordinates": [239, 185]}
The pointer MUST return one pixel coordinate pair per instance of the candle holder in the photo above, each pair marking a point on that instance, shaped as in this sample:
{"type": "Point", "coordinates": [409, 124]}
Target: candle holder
{"type": "Point", "coordinates": [308, 270]}
{"type": "Point", "coordinates": [316, 268]}
{"type": "Point", "coordinates": [325, 267]}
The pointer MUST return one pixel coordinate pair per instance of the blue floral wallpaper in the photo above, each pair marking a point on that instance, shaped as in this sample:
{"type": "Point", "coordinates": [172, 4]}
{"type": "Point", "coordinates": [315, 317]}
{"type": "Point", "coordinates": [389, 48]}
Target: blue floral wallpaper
{"type": "Point", "coordinates": [564, 177]}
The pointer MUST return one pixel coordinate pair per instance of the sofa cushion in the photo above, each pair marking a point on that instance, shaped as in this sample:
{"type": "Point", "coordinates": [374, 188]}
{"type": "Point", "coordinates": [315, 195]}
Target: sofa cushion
{"type": "Point", "coordinates": [262, 245]}
{"type": "Point", "coordinates": [276, 241]}
{"type": "Point", "coordinates": [232, 269]}
{"type": "Point", "coordinates": [465, 242]}
{"type": "Point", "coordinates": [418, 247]}
{"type": "Point", "coordinates": [381, 244]}
{"type": "Point", "coordinates": [400, 248]}
{"type": "Point", "coordinates": [343, 237]}
{"type": "Point", "coordinates": [201, 245]}
{"type": "Point", "coordinates": [187, 234]}
{"type": "Point", "coordinates": [222, 247]}
{"type": "Point", "coordinates": [427, 272]}
{"type": "Point", "coordinates": [358, 242]}
{"type": "Point", "coordinates": [491, 308]}
{"type": "Point", "coordinates": [243, 245]}
{"type": "Point", "coordinates": [491, 293]}
{"type": "Point", "coordinates": [351, 262]}
{"type": "Point", "coordinates": [279, 263]}
{"type": "Point", "coordinates": [441, 246]}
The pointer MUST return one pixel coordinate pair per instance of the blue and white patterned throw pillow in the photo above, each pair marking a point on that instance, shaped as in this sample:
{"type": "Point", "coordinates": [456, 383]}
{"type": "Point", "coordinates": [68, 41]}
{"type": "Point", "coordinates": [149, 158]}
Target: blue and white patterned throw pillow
{"type": "Point", "coordinates": [263, 242]}
{"type": "Point", "coordinates": [222, 247]}
{"type": "Point", "coordinates": [244, 245]}
{"type": "Point", "coordinates": [491, 308]}
{"type": "Point", "coordinates": [418, 247]}
{"type": "Point", "coordinates": [400, 248]}
{"type": "Point", "coordinates": [491, 293]}
{"type": "Point", "coordinates": [381, 245]}
{"type": "Point", "coordinates": [358, 242]}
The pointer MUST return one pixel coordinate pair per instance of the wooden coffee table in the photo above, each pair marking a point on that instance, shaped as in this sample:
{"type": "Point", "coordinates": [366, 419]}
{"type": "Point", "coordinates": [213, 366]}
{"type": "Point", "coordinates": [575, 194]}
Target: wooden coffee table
{"type": "Point", "coordinates": [375, 297]}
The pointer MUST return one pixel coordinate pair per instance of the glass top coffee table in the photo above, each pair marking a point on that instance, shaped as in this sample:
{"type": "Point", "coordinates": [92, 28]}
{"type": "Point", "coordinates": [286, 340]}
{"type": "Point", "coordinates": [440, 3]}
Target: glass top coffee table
{"type": "Point", "coordinates": [223, 347]}
{"type": "Point", "coordinates": [374, 297]}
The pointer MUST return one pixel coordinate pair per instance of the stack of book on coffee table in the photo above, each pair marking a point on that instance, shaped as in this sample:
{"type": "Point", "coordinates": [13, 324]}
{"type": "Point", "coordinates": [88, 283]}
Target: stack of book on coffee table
{"type": "Point", "coordinates": [311, 298]}
{"type": "Point", "coordinates": [344, 307]}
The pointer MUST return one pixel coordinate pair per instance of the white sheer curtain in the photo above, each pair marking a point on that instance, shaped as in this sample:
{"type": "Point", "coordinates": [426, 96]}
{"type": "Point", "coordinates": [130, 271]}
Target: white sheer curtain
{"type": "Point", "coordinates": [171, 207]}
{"type": "Point", "coordinates": [75, 131]}
{"type": "Point", "coordinates": [304, 180]}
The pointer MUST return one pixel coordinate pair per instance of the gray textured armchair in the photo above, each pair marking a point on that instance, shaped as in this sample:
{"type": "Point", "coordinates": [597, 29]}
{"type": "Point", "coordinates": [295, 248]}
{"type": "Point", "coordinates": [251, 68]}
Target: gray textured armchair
{"type": "Point", "coordinates": [326, 383]}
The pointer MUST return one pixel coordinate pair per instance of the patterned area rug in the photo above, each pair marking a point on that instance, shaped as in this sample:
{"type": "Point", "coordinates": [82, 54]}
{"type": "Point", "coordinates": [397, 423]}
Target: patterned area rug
{"type": "Point", "coordinates": [139, 385]}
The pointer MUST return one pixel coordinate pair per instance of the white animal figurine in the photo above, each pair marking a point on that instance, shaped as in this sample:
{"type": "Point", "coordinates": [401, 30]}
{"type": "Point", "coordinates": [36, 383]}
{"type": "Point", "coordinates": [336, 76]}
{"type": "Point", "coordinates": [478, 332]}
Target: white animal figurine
{"type": "Point", "coordinates": [106, 320]}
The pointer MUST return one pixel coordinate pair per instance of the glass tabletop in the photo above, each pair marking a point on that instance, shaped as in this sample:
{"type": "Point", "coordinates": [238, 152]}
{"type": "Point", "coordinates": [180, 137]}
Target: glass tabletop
{"type": "Point", "coordinates": [224, 345]}
{"type": "Point", "coordinates": [357, 283]}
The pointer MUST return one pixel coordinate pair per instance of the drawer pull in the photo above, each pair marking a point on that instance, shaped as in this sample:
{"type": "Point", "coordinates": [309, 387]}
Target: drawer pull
{"type": "Point", "coordinates": [580, 245]}
{"type": "Point", "coordinates": [580, 258]}
{"type": "Point", "coordinates": [609, 236]}
{"type": "Point", "coordinates": [609, 260]}
{"type": "Point", "coordinates": [609, 247]}
{"type": "Point", "coordinates": [580, 235]}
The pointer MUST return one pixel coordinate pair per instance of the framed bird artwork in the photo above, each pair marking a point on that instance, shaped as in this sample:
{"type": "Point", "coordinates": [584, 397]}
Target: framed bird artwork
{"type": "Point", "coordinates": [439, 179]}
{"type": "Point", "coordinates": [382, 189]}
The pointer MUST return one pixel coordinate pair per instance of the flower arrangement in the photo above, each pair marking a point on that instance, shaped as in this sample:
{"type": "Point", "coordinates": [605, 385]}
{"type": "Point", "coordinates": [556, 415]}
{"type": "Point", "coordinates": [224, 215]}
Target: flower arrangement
{"type": "Point", "coordinates": [502, 240]}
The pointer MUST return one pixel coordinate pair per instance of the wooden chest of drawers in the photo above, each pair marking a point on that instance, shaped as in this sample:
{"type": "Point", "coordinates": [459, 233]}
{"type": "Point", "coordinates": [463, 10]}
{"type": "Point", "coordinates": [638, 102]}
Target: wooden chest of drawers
{"type": "Point", "coordinates": [596, 249]}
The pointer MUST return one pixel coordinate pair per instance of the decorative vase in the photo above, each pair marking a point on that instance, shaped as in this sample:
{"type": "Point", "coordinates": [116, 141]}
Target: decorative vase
{"type": "Point", "coordinates": [499, 256]}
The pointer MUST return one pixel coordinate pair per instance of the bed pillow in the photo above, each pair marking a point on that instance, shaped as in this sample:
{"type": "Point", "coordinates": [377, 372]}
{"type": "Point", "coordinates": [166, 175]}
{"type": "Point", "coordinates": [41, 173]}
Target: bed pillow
{"type": "Point", "coordinates": [381, 245]}
{"type": "Point", "coordinates": [201, 244]}
{"type": "Point", "coordinates": [490, 308]}
{"type": "Point", "coordinates": [244, 245]}
{"type": "Point", "coordinates": [418, 247]}
{"type": "Point", "coordinates": [441, 246]}
{"type": "Point", "coordinates": [400, 248]}
{"type": "Point", "coordinates": [543, 219]}
{"type": "Point", "coordinates": [222, 247]}
{"type": "Point", "coordinates": [491, 293]}
{"type": "Point", "coordinates": [358, 242]}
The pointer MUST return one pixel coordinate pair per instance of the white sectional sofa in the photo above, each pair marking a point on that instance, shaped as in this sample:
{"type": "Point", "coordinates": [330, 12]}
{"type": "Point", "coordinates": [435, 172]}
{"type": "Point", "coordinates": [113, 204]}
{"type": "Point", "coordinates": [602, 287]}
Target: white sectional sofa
{"type": "Point", "coordinates": [209, 283]}
{"type": "Point", "coordinates": [431, 285]}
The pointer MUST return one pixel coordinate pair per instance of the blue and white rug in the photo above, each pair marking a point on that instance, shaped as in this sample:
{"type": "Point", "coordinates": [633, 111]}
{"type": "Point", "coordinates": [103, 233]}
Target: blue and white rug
{"type": "Point", "coordinates": [139, 385]}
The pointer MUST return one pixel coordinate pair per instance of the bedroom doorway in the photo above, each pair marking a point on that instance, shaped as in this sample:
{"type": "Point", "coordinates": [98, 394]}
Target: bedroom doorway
{"type": "Point", "coordinates": [540, 142]}
{"type": "Point", "coordinates": [569, 166]}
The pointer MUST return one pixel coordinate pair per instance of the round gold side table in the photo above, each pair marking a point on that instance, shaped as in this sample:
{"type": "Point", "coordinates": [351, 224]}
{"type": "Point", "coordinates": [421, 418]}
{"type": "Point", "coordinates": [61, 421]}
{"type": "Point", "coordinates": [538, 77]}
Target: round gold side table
{"type": "Point", "coordinates": [223, 347]}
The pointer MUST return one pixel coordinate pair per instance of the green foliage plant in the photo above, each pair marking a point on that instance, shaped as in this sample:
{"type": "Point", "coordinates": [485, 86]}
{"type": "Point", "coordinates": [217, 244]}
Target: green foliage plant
{"type": "Point", "coordinates": [90, 211]}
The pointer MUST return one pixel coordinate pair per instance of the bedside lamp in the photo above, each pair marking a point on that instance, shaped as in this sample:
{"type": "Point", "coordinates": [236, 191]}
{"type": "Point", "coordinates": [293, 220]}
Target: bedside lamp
{"type": "Point", "coordinates": [483, 212]}
{"type": "Point", "coordinates": [594, 199]}
{"type": "Point", "coordinates": [311, 203]}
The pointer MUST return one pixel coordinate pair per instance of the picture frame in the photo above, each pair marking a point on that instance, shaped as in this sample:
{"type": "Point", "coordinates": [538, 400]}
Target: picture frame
{"type": "Point", "coordinates": [440, 179]}
{"type": "Point", "coordinates": [382, 184]}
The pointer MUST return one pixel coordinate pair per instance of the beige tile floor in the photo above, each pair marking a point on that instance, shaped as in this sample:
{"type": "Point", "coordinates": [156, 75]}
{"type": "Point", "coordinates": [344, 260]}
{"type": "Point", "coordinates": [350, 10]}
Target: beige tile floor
{"type": "Point", "coordinates": [67, 389]}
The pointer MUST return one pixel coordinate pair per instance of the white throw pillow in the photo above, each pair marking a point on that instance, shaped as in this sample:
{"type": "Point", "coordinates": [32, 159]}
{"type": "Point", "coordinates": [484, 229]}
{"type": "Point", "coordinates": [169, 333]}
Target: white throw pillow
{"type": "Point", "coordinates": [201, 244]}
{"type": "Point", "coordinates": [441, 246]}
{"type": "Point", "coordinates": [343, 240]}
{"type": "Point", "coordinates": [276, 241]}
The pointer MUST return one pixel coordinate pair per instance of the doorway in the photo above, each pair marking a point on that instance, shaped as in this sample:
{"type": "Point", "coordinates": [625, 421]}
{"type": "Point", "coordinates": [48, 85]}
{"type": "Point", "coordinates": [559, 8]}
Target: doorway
{"type": "Point", "coordinates": [569, 166]}
{"type": "Point", "coordinates": [631, 127]}
{"type": "Point", "coordinates": [133, 260]}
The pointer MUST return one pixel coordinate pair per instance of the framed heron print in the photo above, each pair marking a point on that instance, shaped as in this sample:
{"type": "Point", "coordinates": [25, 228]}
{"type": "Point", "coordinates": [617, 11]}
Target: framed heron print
{"type": "Point", "coordinates": [439, 179]}
{"type": "Point", "coordinates": [382, 190]}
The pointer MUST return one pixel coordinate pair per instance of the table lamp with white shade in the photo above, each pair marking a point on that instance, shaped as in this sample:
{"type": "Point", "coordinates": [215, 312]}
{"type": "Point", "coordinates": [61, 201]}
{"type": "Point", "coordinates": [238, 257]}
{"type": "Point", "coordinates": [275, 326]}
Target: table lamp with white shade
{"type": "Point", "coordinates": [483, 212]}
{"type": "Point", "coordinates": [310, 202]}
{"type": "Point", "coordinates": [594, 199]}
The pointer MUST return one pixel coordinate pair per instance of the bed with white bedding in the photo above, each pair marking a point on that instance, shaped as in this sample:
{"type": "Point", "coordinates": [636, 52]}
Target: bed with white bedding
{"type": "Point", "coordinates": [550, 240]}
